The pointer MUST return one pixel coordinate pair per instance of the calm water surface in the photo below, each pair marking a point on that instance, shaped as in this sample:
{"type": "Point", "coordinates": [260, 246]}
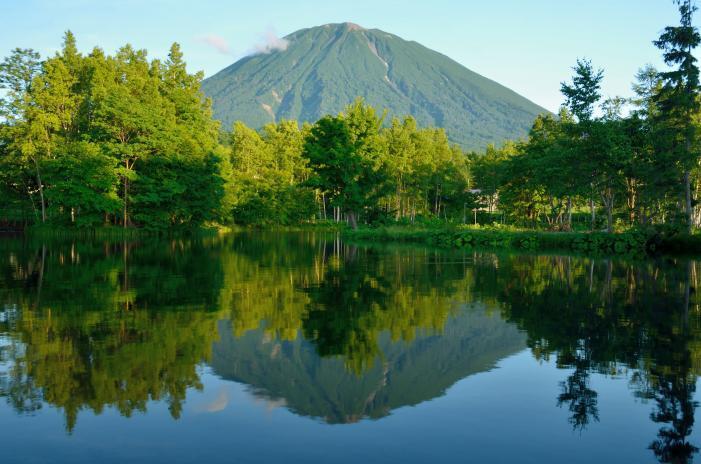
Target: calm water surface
{"type": "Point", "coordinates": [301, 348]}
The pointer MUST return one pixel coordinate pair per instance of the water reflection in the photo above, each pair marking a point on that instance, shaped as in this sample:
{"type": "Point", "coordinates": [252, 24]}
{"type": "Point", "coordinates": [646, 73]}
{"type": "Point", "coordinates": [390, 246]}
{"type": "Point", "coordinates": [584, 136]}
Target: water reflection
{"type": "Point", "coordinates": [338, 332]}
{"type": "Point", "coordinates": [292, 373]}
{"type": "Point", "coordinates": [609, 317]}
{"type": "Point", "coordinates": [89, 327]}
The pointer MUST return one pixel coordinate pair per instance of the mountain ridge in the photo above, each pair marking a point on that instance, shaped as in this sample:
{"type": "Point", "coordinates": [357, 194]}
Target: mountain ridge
{"type": "Point", "coordinates": [322, 69]}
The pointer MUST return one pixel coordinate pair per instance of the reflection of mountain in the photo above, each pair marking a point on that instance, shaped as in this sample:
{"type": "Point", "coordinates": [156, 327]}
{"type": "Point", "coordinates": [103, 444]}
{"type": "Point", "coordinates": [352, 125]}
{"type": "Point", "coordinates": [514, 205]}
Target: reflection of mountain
{"type": "Point", "coordinates": [338, 332]}
{"type": "Point", "coordinates": [407, 374]}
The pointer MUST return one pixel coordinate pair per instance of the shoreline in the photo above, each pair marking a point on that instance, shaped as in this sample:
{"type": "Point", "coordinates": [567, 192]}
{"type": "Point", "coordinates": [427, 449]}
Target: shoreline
{"type": "Point", "coordinates": [636, 242]}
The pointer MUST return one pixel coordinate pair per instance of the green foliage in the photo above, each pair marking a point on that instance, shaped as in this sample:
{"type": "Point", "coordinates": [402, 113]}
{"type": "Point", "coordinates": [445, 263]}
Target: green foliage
{"type": "Point", "coordinates": [123, 140]}
{"type": "Point", "coordinates": [88, 201]}
{"type": "Point", "coordinates": [634, 242]}
{"type": "Point", "coordinates": [346, 155]}
{"type": "Point", "coordinates": [170, 192]}
{"type": "Point", "coordinates": [678, 102]}
{"type": "Point", "coordinates": [110, 140]}
{"type": "Point", "coordinates": [637, 169]}
{"type": "Point", "coordinates": [583, 93]}
{"type": "Point", "coordinates": [269, 172]}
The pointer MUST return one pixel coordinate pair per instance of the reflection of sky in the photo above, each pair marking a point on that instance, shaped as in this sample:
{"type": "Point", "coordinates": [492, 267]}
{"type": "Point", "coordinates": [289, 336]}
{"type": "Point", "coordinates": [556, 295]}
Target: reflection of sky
{"type": "Point", "coordinates": [7, 313]}
{"type": "Point", "coordinates": [508, 414]}
{"type": "Point", "coordinates": [528, 46]}
{"type": "Point", "coordinates": [219, 403]}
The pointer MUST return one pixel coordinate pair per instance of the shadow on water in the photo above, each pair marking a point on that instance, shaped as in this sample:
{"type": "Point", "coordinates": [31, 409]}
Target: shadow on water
{"type": "Point", "coordinates": [338, 332]}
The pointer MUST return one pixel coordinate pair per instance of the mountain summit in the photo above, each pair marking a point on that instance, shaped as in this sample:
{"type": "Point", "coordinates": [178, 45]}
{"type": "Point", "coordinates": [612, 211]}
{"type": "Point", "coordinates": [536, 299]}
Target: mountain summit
{"type": "Point", "coordinates": [318, 71]}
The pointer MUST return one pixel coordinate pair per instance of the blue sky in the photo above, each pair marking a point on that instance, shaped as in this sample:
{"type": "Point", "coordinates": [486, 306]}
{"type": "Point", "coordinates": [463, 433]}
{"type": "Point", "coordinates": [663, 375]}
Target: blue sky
{"type": "Point", "coordinates": [527, 45]}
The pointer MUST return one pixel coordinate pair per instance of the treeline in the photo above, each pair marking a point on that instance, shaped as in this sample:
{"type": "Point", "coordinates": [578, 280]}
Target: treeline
{"type": "Point", "coordinates": [346, 167]}
{"type": "Point", "coordinates": [638, 169]}
{"type": "Point", "coordinates": [90, 140]}
{"type": "Point", "coordinates": [99, 139]}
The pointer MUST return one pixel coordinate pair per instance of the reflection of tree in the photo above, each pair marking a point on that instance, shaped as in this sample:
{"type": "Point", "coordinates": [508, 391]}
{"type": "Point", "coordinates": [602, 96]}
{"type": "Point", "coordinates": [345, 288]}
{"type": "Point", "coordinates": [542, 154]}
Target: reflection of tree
{"type": "Point", "coordinates": [364, 293]}
{"type": "Point", "coordinates": [122, 361]}
{"type": "Point", "coordinates": [595, 316]}
{"type": "Point", "coordinates": [341, 320]}
{"type": "Point", "coordinates": [580, 399]}
{"type": "Point", "coordinates": [671, 384]}
{"type": "Point", "coordinates": [22, 394]}
{"type": "Point", "coordinates": [104, 334]}
{"type": "Point", "coordinates": [673, 396]}
{"type": "Point", "coordinates": [262, 279]}
{"type": "Point", "coordinates": [116, 325]}
{"type": "Point", "coordinates": [119, 324]}
{"type": "Point", "coordinates": [339, 297]}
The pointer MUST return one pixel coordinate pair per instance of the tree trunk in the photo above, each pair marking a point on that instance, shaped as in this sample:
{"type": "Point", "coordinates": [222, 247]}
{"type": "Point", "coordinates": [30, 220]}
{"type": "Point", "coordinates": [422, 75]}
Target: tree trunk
{"type": "Point", "coordinates": [31, 199]}
{"type": "Point", "coordinates": [692, 95]}
{"type": "Point", "coordinates": [126, 194]}
{"type": "Point", "coordinates": [687, 201]}
{"type": "Point", "coordinates": [352, 220]}
{"type": "Point", "coordinates": [435, 201]}
{"type": "Point", "coordinates": [632, 202]}
{"type": "Point", "coordinates": [607, 197]}
{"type": "Point", "coordinates": [399, 214]}
{"type": "Point", "coordinates": [695, 209]}
{"type": "Point", "coordinates": [41, 191]}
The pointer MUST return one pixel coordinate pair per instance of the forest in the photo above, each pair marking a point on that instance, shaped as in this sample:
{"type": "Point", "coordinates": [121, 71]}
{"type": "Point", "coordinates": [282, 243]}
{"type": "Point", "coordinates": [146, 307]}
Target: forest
{"type": "Point", "coordinates": [123, 140]}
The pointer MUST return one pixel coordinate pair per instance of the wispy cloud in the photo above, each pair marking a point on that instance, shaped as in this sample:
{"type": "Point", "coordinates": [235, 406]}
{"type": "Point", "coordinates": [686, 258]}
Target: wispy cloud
{"type": "Point", "coordinates": [270, 42]}
{"type": "Point", "coordinates": [217, 42]}
{"type": "Point", "coordinates": [218, 404]}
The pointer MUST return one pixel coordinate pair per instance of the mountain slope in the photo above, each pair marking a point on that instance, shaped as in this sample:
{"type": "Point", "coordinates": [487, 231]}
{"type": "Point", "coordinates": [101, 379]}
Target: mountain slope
{"type": "Point", "coordinates": [325, 68]}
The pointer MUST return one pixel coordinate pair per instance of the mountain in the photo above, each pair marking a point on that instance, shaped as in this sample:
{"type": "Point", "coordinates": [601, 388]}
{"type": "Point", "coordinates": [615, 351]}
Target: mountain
{"type": "Point", "coordinates": [318, 71]}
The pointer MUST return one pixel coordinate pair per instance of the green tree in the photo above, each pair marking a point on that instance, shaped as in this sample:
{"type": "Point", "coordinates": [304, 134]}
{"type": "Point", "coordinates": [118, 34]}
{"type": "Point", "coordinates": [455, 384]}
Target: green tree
{"type": "Point", "coordinates": [678, 99]}
{"type": "Point", "coordinates": [95, 195]}
{"type": "Point", "coordinates": [129, 115]}
{"type": "Point", "coordinates": [581, 97]}
{"type": "Point", "coordinates": [17, 74]}
{"type": "Point", "coordinates": [584, 91]}
{"type": "Point", "coordinates": [346, 154]}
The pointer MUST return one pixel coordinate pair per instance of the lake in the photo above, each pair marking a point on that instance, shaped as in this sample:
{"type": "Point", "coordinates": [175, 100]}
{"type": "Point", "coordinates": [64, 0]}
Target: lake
{"type": "Point", "coordinates": [298, 347]}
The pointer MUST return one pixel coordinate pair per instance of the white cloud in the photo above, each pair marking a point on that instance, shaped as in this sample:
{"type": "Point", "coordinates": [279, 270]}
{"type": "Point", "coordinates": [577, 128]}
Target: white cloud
{"type": "Point", "coordinates": [271, 42]}
{"type": "Point", "coordinates": [217, 42]}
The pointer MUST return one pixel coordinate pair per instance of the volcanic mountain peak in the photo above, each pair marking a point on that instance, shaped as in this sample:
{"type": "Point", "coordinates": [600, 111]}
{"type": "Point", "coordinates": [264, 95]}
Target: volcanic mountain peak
{"type": "Point", "coordinates": [323, 69]}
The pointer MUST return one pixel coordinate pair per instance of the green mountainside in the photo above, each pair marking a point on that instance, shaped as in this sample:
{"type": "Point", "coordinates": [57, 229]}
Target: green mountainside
{"type": "Point", "coordinates": [322, 69]}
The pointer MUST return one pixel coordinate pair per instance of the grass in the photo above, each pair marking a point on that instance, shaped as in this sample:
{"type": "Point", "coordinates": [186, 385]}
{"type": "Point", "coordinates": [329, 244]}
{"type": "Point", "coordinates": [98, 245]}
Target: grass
{"type": "Point", "coordinates": [634, 242]}
{"type": "Point", "coordinates": [320, 226]}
